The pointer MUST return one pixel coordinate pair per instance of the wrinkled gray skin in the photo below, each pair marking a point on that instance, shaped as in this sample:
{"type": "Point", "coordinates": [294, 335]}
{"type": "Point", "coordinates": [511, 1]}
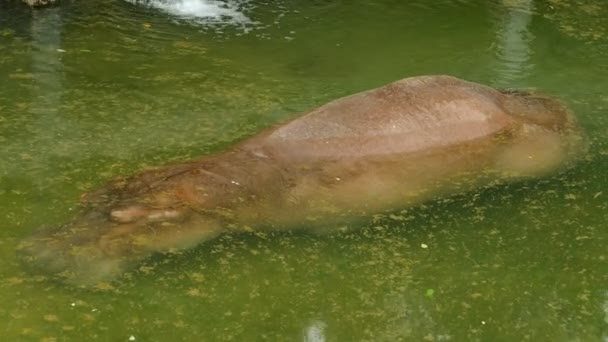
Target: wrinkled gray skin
{"type": "Point", "coordinates": [382, 149]}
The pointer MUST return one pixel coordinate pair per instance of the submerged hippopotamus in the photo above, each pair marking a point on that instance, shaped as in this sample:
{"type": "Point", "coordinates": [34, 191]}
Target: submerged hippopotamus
{"type": "Point", "coordinates": [378, 150]}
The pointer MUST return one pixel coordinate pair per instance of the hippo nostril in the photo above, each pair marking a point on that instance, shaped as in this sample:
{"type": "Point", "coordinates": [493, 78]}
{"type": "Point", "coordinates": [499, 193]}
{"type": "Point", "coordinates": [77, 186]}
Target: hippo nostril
{"type": "Point", "coordinates": [129, 214]}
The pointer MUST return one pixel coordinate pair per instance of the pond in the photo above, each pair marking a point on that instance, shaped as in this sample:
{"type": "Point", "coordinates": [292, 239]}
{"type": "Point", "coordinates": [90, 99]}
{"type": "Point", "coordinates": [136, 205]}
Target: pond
{"type": "Point", "coordinates": [97, 89]}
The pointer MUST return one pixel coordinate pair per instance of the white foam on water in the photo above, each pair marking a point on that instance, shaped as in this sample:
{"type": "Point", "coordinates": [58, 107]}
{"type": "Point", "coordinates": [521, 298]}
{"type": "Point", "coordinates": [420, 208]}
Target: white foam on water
{"type": "Point", "coordinates": [202, 11]}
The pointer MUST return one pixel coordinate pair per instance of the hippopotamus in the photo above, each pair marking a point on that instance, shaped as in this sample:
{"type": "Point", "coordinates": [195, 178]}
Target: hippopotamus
{"type": "Point", "coordinates": [383, 149]}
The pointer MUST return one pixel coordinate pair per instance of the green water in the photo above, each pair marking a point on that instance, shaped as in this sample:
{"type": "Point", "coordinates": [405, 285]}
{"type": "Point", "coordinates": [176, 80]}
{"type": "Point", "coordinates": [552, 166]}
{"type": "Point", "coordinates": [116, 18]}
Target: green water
{"type": "Point", "coordinates": [98, 89]}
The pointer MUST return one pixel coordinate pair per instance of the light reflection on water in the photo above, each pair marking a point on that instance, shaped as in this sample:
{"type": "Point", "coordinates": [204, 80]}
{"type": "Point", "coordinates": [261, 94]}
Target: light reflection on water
{"type": "Point", "coordinates": [100, 90]}
{"type": "Point", "coordinates": [315, 332]}
{"type": "Point", "coordinates": [206, 11]}
{"type": "Point", "coordinates": [513, 41]}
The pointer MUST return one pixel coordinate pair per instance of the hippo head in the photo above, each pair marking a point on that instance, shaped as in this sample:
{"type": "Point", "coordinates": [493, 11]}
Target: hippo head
{"type": "Point", "coordinates": [119, 227]}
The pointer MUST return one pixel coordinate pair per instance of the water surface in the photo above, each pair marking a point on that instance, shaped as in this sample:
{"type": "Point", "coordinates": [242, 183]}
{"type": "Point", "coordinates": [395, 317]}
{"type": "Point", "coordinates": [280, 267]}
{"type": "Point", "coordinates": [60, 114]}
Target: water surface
{"type": "Point", "coordinates": [99, 89]}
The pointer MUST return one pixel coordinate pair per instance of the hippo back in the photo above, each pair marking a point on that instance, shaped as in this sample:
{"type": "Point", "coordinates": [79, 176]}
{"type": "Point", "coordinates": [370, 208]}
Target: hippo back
{"type": "Point", "coordinates": [407, 116]}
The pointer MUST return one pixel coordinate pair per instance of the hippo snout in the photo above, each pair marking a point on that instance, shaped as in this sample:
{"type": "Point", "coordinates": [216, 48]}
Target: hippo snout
{"type": "Point", "coordinates": [99, 246]}
{"type": "Point", "coordinates": [57, 254]}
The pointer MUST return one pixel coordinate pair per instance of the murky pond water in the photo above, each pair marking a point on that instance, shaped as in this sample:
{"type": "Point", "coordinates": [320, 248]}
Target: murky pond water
{"type": "Point", "coordinates": [98, 89]}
